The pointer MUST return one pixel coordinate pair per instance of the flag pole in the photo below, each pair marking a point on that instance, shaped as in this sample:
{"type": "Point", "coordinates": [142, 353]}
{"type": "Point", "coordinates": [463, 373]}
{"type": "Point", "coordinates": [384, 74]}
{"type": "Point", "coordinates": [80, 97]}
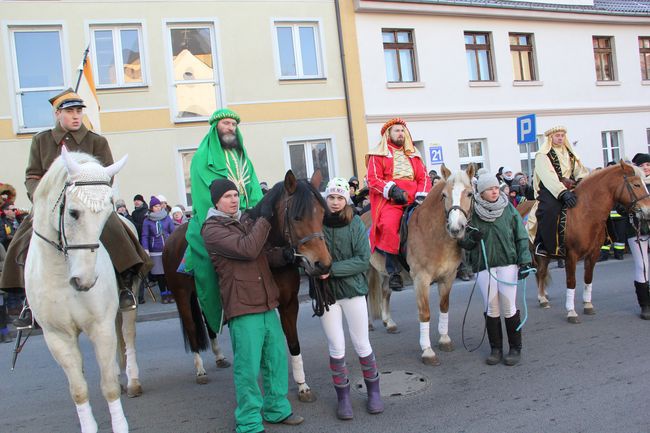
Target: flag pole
{"type": "Point", "coordinates": [81, 68]}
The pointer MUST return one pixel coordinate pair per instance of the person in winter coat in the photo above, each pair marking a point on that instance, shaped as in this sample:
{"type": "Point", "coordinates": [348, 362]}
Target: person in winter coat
{"type": "Point", "coordinates": [347, 242]}
{"type": "Point", "coordinates": [639, 244]}
{"type": "Point", "coordinates": [178, 216]}
{"type": "Point", "coordinates": [140, 211]}
{"type": "Point", "coordinates": [499, 225]}
{"type": "Point", "coordinates": [236, 247]}
{"type": "Point", "coordinates": [156, 228]}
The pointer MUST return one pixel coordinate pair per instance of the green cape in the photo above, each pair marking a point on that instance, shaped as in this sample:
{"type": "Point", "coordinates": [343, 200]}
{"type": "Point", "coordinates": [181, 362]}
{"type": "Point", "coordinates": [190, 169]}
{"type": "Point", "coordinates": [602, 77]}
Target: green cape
{"type": "Point", "coordinates": [208, 164]}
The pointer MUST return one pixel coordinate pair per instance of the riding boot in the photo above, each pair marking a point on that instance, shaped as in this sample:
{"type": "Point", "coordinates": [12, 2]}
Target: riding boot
{"type": "Point", "coordinates": [514, 340]}
{"type": "Point", "coordinates": [393, 268]}
{"type": "Point", "coordinates": [342, 387]}
{"type": "Point", "coordinates": [127, 298]}
{"type": "Point", "coordinates": [371, 377]}
{"type": "Point", "coordinates": [495, 336]}
{"type": "Point", "coordinates": [643, 295]}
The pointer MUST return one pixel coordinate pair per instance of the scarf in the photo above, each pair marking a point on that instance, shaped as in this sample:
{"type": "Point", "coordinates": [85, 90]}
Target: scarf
{"type": "Point", "coordinates": [490, 211]}
{"type": "Point", "coordinates": [157, 216]}
{"type": "Point", "coordinates": [215, 212]}
{"type": "Point", "coordinates": [335, 220]}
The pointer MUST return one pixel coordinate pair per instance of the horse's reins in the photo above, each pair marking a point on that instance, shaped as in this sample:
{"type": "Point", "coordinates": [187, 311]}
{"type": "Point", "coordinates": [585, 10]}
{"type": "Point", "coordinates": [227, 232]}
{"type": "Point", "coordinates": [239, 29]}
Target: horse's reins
{"type": "Point", "coordinates": [62, 245]}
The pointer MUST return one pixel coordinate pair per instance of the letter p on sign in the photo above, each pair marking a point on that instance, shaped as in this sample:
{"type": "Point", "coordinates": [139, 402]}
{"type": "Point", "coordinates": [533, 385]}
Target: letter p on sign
{"type": "Point", "coordinates": [526, 129]}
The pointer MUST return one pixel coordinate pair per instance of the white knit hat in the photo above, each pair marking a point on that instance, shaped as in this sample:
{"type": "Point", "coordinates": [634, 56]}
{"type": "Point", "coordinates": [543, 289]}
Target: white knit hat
{"type": "Point", "coordinates": [176, 209]}
{"type": "Point", "coordinates": [338, 186]}
{"type": "Point", "coordinates": [161, 198]}
{"type": "Point", "coordinates": [486, 181]}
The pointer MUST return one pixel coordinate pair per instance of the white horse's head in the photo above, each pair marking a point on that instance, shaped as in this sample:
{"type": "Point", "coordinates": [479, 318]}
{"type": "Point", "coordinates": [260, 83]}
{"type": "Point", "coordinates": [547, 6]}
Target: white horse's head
{"type": "Point", "coordinates": [73, 200]}
{"type": "Point", "coordinates": [457, 194]}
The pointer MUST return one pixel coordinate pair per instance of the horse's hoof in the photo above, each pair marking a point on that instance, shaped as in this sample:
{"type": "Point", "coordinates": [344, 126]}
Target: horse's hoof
{"type": "Point", "coordinates": [431, 360]}
{"type": "Point", "coordinates": [307, 396]}
{"type": "Point", "coordinates": [202, 379]}
{"type": "Point", "coordinates": [134, 391]}
{"type": "Point", "coordinates": [223, 363]}
{"type": "Point", "coordinates": [589, 311]}
{"type": "Point", "coordinates": [447, 346]}
{"type": "Point", "coordinates": [392, 329]}
{"type": "Point", "coordinates": [544, 304]}
{"type": "Point", "coordinates": [573, 319]}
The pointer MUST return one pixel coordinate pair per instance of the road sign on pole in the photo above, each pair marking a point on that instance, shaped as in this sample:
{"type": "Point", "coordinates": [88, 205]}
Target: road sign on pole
{"type": "Point", "coordinates": [526, 129]}
{"type": "Point", "coordinates": [435, 155]}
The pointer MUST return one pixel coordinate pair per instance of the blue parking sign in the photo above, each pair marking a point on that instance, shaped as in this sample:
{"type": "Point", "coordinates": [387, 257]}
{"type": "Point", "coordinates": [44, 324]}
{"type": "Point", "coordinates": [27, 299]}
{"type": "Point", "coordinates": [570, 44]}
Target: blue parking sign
{"type": "Point", "coordinates": [435, 155]}
{"type": "Point", "coordinates": [526, 129]}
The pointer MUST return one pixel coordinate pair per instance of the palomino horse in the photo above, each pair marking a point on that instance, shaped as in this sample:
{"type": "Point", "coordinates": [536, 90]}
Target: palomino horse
{"type": "Point", "coordinates": [432, 254]}
{"type": "Point", "coordinates": [297, 222]}
{"type": "Point", "coordinates": [69, 279]}
{"type": "Point", "coordinates": [585, 228]}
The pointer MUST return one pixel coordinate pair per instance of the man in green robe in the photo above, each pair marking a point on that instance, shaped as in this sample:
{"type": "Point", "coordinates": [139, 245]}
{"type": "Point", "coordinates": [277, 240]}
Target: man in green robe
{"type": "Point", "coordinates": [221, 155]}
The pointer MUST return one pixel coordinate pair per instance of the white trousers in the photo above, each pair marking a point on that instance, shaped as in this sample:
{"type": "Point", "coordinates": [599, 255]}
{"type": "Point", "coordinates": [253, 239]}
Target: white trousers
{"type": "Point", "coordinates": [640, 258]}
{"type": "Point", "coordinates": [505, 293]}
{"type": "Point", "coordinates": [356, 315]}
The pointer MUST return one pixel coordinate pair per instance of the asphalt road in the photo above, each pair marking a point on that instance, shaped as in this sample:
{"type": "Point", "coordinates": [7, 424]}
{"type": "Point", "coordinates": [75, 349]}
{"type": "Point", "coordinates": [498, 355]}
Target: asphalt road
{"type": "Point", "coordinates": [592, 377]}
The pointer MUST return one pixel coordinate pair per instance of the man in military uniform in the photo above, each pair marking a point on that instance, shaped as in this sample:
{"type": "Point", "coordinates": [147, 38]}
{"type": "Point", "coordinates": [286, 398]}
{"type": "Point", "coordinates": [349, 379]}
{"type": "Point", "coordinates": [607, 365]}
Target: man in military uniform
{"type": "Point", "coordinates": [125, 251]}
{"type": "Point", "coordinates": [557, 171]}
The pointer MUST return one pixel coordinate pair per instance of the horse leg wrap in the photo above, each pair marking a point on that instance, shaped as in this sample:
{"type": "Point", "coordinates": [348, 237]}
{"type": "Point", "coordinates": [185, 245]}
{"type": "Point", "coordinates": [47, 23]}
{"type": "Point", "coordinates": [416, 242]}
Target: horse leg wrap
{"type": "Point", "coordinates": [369, 366]}
{"type": "Point", "coordinates": [297, 369]}
{"type": "Point", "coordinates": [586, 294]}
{"type": "Point", "coordinates": [425, 341]}
{"type": "Point", "coordinates": [443, 324]}
{"type": "Point", "coordinates": [118, 420]}
{"type": "Point", "coordinates": [86, 418]}
{"type": "Point", "coordinates": [570, 299]}
{"type": "Point", "coordinates": [339, 371]}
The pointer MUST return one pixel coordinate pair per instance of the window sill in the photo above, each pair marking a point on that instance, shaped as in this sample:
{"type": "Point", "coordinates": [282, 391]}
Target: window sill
{"type": "Point", "coordinates": [527, 83]}
{"type": "Point", "coordinates": [123, 89]}
{"type": "Point", "coordinates": [404, 85]}
{"type": "Point", "coordinates": [608, 83]}
{"type": "Point", "coordinates": [184, 120]}
{"type": "Point", "coordinates": [302, 80]}
{"type": "Point", "coordinates": [645, 82]}
{"type": "Point", "coordinates": [484, 84]}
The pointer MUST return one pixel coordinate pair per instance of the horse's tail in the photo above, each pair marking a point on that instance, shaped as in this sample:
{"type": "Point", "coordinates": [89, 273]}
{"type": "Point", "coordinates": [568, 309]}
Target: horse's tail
{"type": "Point", "coordinates": [375, 293]}
{"type": "Point", "coordinates": [121, 346]}
{"type": "Point", "coordinates": [202, 341]}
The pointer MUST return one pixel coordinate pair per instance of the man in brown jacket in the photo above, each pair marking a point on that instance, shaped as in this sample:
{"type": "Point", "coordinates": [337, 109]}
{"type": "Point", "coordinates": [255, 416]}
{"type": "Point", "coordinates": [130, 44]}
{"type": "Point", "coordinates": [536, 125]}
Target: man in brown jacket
{"type": "Point", "coordinates": [236, 245]}
{"type": "Point", "coordinates": [125, 251]}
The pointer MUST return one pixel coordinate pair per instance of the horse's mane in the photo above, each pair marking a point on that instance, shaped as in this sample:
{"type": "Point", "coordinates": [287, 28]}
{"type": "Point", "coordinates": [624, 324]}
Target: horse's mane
{"type": "Point", "coordinates": [597, 176]}
{"type": "Point", "coordinates": [460, 176]}
{"type": "Point", "coordinates": [301, 199]}
{"type": "Point", "coordinates": [95, 198]}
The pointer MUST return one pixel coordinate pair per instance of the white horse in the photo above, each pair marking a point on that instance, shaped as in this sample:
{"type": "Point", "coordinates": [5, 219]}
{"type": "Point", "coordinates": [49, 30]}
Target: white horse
{"type": "Point", "coordinates": [69, 279]}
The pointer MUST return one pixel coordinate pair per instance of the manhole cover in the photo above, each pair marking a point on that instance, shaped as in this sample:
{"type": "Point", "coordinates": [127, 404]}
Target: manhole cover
{"type": "Point", "coordinates": [398, 383]}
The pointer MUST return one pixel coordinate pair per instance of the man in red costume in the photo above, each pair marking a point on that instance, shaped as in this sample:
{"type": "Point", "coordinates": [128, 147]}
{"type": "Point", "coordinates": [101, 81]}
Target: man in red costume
{"type": "Point", "coordinates": [396, 177]}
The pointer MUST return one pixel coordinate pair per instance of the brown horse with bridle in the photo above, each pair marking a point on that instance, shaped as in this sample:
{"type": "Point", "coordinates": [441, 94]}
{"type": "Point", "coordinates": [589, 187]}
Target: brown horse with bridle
{"type": "Point", "coordinates": [585, 228]}
{"type": "Point", "coordinates": [433, 256]}
{"type": "Point", "coordinates": [297, 223]}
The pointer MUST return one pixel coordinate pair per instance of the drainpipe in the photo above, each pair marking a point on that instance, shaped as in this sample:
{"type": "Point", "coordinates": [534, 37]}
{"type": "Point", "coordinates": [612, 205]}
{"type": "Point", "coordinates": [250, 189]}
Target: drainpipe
{"type": "Point", "coordinates": [345, 87]}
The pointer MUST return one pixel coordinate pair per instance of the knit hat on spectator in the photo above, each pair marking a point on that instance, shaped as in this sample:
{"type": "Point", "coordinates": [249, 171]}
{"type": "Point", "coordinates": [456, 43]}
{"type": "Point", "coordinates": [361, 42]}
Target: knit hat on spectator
{"type": "Point", "coordinates": [640, 158]}
{"type": "Point", "coordinates": [138, 197]}
{"type": "Point", "coordinates": [162, 198]}
{"type": "Point", "coordinates": [120, 203]}
{"type": "Point", "coordinates": [486, 181]}
{"type": "Point", "coordinates": [154, 201]}
{"type": "Point", "coordinates": [174, 210]}
{"type": "Point", "coordinates": [219, 187]}
{"type": "Point", "coordinates": [338, 186]}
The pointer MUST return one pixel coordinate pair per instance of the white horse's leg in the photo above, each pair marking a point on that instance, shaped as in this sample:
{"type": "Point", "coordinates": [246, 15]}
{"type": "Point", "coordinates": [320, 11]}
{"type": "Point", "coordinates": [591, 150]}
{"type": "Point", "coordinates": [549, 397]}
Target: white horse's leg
{"type": "Point", "coordinates": [304, 391]}
{"type": "Point", "coordinates": [444, 343]}
{"type": "Point", "coordinates": [220, 358]}
{"type": "Point", "coordinates": [201, 375]}
{"type": "Point", "coordinates": [429, 357]}
{"type": "Point", "coordinates": [104, 340]}
{"type": "Point", "coordinates": [387, 319]}
{"type": "Point", "coordinates": [65, 350]}
{"type": "Point", "coordinates": [588, 307]}
{"type": "Point", "coordinates": [572, 316]}
{"type": "Point", "coordinates": [133, 387]}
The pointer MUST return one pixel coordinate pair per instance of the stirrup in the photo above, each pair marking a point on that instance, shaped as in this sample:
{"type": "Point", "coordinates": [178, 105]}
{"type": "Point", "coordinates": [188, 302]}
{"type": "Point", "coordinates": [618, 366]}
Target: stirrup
{"type": "Point", "coordinates": [127, 301]}
{"type": "Point", "coordinates": [25, 319]}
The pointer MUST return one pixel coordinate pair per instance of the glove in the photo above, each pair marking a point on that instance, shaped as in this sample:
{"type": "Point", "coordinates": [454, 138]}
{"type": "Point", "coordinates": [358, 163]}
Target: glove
{"type": "Point", "coordinates": [266, 210]}
{"type": "Point", "coordinates": [397, 194]}
{"type": "Point", "coordinates": [289, 255]}
{"type": "Point", "coordinates": [476, 236]}
{"type": "Point", "coordinates": [569, 198]}
{"type": "Point", "coordinates": [419, 197]}
{"type": "Point", "coordinates": [524, 271]}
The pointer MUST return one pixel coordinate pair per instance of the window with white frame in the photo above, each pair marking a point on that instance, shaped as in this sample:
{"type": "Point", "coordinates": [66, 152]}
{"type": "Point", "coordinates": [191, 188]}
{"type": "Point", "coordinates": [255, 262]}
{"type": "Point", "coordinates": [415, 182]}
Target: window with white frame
{"type": "Point", "coordinates": [472, 151]}
{"type": "Point", "coordinates": [299, 50]}
{"type": "Point", "coordinates": [117, 56]}
{"type": "Point", "coordinates": [38, 74]}
{"type": "Point", "coordinates": [195, 87]}
{"type": "Point", "coordinates": [612, 146]}
{"type": "Point", "coordinates": [530, 150]}
{"type": "Point", "coordinates": [309, 155]}
{"type": "Point", "coordinates": [186, 156]}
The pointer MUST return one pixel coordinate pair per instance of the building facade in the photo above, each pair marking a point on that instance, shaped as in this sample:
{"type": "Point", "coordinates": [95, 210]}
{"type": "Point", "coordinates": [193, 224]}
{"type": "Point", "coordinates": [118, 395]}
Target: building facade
{"type": "Point", "coordinates": [461, 72]}
{"type": "Point", "coordinates": [162, 67]}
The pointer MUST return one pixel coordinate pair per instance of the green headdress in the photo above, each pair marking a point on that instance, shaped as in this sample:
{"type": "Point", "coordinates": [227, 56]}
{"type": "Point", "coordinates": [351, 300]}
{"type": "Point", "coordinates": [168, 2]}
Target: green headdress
{"type": "Point", "coordinates": [223, 113]}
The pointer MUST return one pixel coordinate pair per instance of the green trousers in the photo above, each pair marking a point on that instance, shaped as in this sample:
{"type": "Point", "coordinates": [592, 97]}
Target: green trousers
{"type": "Point", "coordinates": [258, 342]}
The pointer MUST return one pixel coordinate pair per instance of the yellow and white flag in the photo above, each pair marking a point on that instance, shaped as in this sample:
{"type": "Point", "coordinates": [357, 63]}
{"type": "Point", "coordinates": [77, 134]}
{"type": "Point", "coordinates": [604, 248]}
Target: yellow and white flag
{"type": "Point", "coordinates": [86, 90]}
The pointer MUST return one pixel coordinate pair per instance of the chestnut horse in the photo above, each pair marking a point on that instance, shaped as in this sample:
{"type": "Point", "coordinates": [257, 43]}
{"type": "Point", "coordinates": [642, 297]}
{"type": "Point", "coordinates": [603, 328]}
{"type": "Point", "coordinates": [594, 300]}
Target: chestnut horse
{"type": "Point", "coordinates": [433, 255]}
{"type": "Point", "coordinates": [298, 223]}
{"type": "Point", "coordinates": [585, 228]}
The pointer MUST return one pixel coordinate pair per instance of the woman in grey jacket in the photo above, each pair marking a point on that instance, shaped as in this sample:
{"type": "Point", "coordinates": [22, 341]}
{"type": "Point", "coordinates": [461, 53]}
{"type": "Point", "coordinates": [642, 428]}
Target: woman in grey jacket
{"type": "Point", "coordinates": [348, 244]}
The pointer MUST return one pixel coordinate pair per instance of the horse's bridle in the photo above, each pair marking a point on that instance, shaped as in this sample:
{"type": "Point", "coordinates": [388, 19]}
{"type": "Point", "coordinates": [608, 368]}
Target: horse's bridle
{"type": "Point", "coordinates": [288, 235]}
{"type": "Point", "coordinates": [62, 245]}
{"type": "Point", "coordinates": [457, 207]}
{"type": "Point", "coordinates": [633, 204]}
